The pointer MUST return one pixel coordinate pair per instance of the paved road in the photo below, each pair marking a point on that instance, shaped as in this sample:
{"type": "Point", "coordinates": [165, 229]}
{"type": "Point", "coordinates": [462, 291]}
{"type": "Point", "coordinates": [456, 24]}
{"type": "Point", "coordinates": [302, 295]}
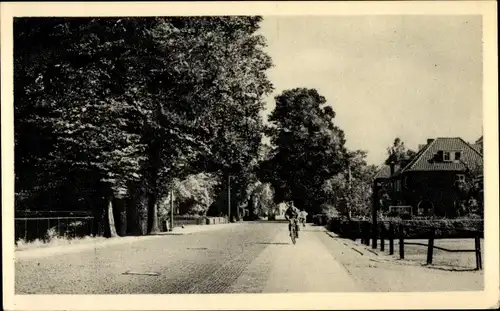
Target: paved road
{"type": "Point", "coordinates": [254, 257]}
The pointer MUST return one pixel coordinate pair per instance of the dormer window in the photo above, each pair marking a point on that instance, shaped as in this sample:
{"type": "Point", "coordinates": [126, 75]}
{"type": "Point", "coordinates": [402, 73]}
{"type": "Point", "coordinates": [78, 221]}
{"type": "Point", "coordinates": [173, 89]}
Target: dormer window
{"type": "Point", "coordinates": [446, 156]}
{"type": "Point", "coordinates": [449, 156]}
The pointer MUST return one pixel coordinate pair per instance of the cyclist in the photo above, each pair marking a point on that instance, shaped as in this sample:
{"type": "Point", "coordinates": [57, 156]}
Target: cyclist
{"type": "Point", "coordinates": [292, 214]}
{"type": "Point", "coordinates": [303, 217]}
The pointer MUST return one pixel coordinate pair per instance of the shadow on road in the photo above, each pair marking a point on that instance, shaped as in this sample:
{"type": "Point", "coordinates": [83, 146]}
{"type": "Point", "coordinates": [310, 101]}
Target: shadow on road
{"type": "Point", "coordinates": [450, 269]}
{"type": "Point", "coordinates": [284, 221]}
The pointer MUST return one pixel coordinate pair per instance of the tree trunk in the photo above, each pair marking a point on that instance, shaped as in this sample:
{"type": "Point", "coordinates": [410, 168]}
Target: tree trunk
{"type": "Point", "coordinates": [152, 189]}
{"type": "Point", "coordinates": [111, 219]}
{"type": "Point", "coordinates": [120, 208]}
{"type": "Point", "coordinates": [131, 209]}
{"type": "Point", "coordinates": [100, 223]}
{"type": "Point", "coordinates": [153, 214]}
{"type": "Point", "coordinates": [142, 214]}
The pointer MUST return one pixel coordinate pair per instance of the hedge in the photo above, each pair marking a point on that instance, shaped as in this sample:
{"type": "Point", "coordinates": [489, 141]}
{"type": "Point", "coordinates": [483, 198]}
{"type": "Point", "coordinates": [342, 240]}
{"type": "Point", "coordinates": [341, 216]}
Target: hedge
{"type": "Point", "coordinates": [411, 229]}
{"type": "Point", "coordinates": [321, 219]}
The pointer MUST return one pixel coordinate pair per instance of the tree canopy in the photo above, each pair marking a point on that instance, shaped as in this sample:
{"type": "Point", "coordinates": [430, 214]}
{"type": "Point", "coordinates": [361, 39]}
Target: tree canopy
{"type": "Point", "coordinates": [119, 107]}
{"type": "Point", "coordinates": [308, 147]}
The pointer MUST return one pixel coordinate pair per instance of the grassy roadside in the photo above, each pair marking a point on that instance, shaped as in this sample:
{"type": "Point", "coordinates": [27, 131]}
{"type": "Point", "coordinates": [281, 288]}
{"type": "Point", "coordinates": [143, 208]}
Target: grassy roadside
{"type": "Point", "coordinates": [21, 245]}
{"type": "Point", "coordinates": [443, 260]}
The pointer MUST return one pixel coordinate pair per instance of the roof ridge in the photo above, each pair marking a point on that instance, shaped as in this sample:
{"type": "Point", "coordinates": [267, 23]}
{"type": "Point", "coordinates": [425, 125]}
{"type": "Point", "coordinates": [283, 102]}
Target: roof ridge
{"type": "Point", "coordinates": [418, 155]}
{"type": "Point", "coordinates": [470, 146]}
{"type": "Point", "coordinates": [425, 151]}
{"type": "Point", "coordinates": [379, 170]}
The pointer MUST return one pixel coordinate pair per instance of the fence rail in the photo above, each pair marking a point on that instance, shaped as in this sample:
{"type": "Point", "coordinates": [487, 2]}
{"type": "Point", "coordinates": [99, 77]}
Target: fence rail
{"type": "Point", "coordinates": [391, 235]}
{"type": "Point", "coordinates": [45, 228]}
{"type": "Point", "coordinates": [415, 230]}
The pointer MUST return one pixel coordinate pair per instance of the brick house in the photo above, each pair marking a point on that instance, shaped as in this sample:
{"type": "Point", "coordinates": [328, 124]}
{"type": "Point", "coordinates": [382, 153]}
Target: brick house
{"type": "Point", "coordinates": [428, 181]}
{"type": "Point", "coordinates": [478, 145]}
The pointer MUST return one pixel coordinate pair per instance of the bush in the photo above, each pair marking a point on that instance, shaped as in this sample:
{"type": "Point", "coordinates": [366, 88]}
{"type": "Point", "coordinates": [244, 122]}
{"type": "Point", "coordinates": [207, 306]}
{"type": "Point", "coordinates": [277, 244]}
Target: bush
{"type": "Point", "coordinates": [411, 229]}
{"type": "Point", "coordinates": [444, 228]}
{"type": "Point", "coordinates": [352, 229]}
{"type": "Point", "coordinates": [321, 219]}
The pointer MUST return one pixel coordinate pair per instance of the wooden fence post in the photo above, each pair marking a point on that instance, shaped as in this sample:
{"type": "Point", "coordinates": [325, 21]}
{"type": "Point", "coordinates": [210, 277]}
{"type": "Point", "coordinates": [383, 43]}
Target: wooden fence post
{"type": "Point", "coordinates": [382, 237]}
{"type": "Point", "coordinates": [367, 235]}
{"type": "Point", "coordinates": [430, 246]}
{"type": "Point", "coordinates": [391, 239]}
{"type": "Point", "coordinates": [401, 243]}
{"type": "Point", "coordinates": [477, 243]}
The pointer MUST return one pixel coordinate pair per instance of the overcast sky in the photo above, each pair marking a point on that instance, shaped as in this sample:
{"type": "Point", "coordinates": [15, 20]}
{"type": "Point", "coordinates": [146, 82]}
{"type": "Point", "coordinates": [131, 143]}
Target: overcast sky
{"type": "Point", "coordinates": [415, 77]}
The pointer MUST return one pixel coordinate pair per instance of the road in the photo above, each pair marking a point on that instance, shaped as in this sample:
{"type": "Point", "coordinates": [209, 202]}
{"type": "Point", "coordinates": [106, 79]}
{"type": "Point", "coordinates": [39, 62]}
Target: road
{"type": "Point", "coordinates": [254, 257]}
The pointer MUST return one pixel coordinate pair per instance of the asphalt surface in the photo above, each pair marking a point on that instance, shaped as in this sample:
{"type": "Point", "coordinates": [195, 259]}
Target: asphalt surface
{"type": "Point", "coordinates": [254, 257]}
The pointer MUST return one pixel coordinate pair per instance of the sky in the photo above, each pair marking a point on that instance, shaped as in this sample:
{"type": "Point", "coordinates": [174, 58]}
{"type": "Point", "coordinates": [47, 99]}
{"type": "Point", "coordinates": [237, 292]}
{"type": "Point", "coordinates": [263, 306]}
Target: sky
{"type": "Point", "coordinates": [412, 77]}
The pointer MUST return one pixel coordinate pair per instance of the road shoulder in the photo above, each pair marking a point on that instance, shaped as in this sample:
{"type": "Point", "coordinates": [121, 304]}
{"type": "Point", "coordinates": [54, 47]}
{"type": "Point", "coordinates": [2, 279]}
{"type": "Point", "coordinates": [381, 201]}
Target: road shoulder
{"type": "Point", "coordinates": [101, 243]}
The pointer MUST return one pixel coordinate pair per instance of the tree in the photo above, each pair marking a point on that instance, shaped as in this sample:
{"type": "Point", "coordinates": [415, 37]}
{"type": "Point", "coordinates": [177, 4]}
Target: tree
{"type": "Point", "coordinates": [71, 94]}
{"type": "Point", "coordinates": [123, 106]}
{"type": "Point", "coordinates": [398, 152]}
{"type": "Point", "coordinates": [305, 139]}
{"type": "Point", "coordinates": [261, 200]}
{"type": "Point", "coordinates": [350, 191]}
{"type": "Point", "coordinates": [233, 101]}
{"type": "Point", "coordinates": [195, 193]}
{"type": "Point", "coordinates": [470, 190]}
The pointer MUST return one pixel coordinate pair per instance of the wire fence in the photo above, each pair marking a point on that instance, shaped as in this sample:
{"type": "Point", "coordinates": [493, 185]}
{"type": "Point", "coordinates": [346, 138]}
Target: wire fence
{"type": "Point", "coordinates": [46, 228]}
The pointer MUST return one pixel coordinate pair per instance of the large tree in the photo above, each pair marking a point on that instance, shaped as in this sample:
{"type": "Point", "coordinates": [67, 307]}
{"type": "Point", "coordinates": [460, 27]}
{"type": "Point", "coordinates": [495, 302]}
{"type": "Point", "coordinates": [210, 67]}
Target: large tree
{"type": "Point", "coordinates": [124, 105]}
{"type": "Point", "coordinates": [308, 148]}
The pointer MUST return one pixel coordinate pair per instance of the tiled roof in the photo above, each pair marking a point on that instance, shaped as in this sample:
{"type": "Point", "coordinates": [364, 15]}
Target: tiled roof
{"type": "Point", "coordinates": [399, 170]}
{"type": "Point", "coordinates": [384, 172]}
{"type": "Point", "coordinates": [422, 161]}
{"type": "Point", "coordinates": [477, 147]}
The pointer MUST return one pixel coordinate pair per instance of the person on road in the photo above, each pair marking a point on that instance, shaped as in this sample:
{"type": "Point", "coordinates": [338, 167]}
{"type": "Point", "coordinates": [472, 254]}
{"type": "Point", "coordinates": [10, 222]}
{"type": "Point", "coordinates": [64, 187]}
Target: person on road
{"type": "Point", "coordinates": [303, 217]}
{"type": "Point", "coordinates": [292, 214]}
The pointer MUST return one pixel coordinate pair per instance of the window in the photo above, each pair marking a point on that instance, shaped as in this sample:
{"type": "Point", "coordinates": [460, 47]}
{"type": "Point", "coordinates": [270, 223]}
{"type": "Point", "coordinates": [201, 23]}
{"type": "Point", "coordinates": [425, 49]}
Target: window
{"type": "Point", "coordinates": [460, 177]}
{"type": "Point", "coordinates": [446, 156]}
{"type": "Point", "coordinates": [398, 185]}
{"type": "Point", "coordinates": [457, 156]}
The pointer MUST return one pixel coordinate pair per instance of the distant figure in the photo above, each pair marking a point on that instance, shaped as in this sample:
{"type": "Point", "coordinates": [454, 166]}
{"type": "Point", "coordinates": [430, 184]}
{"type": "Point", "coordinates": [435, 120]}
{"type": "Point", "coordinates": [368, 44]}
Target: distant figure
{"type": "Point", "coordinates": [302, 217]}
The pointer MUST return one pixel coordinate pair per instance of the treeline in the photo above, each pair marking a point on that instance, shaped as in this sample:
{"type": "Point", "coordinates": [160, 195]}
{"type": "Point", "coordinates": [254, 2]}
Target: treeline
{"type": "Point", "coordinates": [113, 115]}
{"type": "Point", "coordinates": [110, 113]}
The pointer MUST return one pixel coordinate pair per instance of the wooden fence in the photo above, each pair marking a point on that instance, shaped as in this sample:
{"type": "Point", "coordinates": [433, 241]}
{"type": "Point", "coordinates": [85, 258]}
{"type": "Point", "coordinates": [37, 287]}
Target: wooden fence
{"type": "Point", "coordinates": [391, 234]}
{"type": "Point", "coordinates": [403, 232]}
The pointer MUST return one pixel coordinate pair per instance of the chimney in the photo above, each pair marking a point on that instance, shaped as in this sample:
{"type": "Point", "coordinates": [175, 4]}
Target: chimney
{"type": "Point", "coordinates": [430, 140]}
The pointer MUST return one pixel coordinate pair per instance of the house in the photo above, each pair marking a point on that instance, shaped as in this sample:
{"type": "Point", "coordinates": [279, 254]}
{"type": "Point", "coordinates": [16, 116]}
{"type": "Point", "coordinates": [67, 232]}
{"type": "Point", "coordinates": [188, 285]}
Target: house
{"type": "Point", "coordinates": [380, 183]}
{"type": "Point", "coordinates": [478, 145]}
{"type": "Point", "coordinates": [428, 182]}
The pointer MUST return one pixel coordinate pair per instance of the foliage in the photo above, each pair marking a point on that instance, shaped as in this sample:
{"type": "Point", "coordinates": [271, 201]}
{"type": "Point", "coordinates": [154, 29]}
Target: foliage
{"type": "Point", "coordinates": [398, 152]}
{"type": "Point", "coordinates": [351, 191]}
{"type": "Point", "coordinates": [413, 229]}
{"type": "Point", "coordinates": [261, 200]}
{"type": "Point", "coordinates": [195, 194]}
{"type": "Point", "coordinates": [304, 138]}
{"type": "Point", "coordinates": [121, 106]}
{"type": "Point", "coordinates": [470, 190]}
